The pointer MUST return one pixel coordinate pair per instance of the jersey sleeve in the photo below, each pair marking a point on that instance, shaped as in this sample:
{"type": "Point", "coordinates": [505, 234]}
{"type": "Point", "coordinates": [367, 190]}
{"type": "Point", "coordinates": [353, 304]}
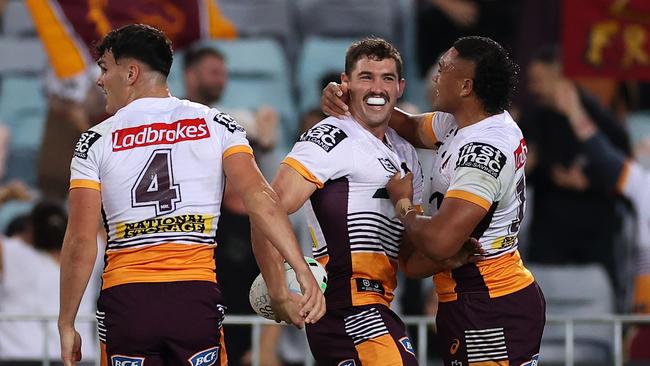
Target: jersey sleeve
{"type": "Point", "coordinates": [319, 155]}
{"type": "Point", "coordinates": [436, 126]}
{"type": "Point", "coordinates": [84, 168]}
{"type": "Point", "coordinates": [480, 173]}
{"type": "Point", "coordinates": [233, 135]}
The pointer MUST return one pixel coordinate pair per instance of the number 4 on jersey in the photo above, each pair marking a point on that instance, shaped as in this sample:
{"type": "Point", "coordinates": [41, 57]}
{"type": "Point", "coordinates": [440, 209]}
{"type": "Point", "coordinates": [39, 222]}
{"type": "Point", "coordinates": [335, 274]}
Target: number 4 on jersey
{"type": "Point", "coordinates": [155, 185]}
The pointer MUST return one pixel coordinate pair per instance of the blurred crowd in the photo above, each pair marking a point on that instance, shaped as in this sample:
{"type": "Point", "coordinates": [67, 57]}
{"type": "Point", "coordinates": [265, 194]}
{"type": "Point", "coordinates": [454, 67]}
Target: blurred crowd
{"type": "Point", "coordinates": [580, 231]}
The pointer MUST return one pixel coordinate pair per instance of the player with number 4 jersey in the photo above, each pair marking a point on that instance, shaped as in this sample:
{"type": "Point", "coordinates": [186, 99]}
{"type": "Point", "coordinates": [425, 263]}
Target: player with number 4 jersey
{"type": "Point", "coordinates": [155, 170]}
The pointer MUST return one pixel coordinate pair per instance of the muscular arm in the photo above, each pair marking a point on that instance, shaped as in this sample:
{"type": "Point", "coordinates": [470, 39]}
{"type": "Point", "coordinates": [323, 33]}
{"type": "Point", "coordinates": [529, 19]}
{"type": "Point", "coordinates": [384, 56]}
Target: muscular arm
{"type": "Point", "coordinates": [441, 236]}
{"type": "Point", "coordinates": [269, 219]}
{"type": "Point", "coordinates": [293, 190]}
{"type": "Point", "coordinates": [77, 261]}
{"type": "Point", "coordinates": [411, 128]}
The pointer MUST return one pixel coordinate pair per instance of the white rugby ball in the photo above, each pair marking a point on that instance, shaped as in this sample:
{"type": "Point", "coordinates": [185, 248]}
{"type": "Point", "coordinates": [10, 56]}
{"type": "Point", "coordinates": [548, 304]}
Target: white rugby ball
{"type": "Point", "coordinates": [259, 293]}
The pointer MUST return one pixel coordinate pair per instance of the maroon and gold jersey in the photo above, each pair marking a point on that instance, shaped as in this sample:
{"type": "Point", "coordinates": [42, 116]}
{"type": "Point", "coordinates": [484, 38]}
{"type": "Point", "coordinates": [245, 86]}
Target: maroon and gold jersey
{"type": "Point", "coordinates": [352, 221]}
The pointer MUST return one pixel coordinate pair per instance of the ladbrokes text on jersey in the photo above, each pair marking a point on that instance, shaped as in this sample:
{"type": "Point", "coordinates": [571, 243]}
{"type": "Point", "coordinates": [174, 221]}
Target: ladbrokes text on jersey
{"type": "Point", "coordinates": [160, 134]}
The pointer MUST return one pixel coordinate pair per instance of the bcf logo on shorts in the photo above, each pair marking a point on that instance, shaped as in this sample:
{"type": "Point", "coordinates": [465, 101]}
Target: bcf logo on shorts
{"type": "Point", "coordinates": [206, 357]}
{"type": "Point", "coordinates": [119, 360]}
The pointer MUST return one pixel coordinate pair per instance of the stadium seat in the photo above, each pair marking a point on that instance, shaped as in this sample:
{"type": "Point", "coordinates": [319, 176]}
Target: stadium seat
{"type": "Point", "coordinates": [262, 18]}
{"type": "Point", "coordinates": [22, 110]}
{"type": "Point", "coordinates": [319, 56]}
{"type": "Point", "coordinates": [21, 55]}
{"type": "Point", "coordinates": [576, 291]}
{"type": "Point", "coordinates": [258, 74]}
{"type": "Point", "coordinates": [16, 20]}
{"type": "Point", "coordinates": [349, 18]}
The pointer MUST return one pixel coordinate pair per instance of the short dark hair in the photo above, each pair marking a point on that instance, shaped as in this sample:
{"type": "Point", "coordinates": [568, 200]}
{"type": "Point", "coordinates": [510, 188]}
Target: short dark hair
{"type": "Point", "coordinates": [375, 49]}
{"type": "Point", "coordinates": [495, 73]}
{"type": "Point", "coordinates": [48, 221]}
{"type": "Point", "coordinates": [194, 55]}
{"type": "Point", "coordinates": [141, 42]}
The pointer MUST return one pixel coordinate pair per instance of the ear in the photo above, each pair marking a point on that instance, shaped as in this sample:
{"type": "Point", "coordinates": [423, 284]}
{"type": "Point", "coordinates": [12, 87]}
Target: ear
{"type": "Point", "coordinates": [344, 78]}
{"type": "Point", "coordinates": [467, 87]}
{"type": "Point", "coordinates": [134, 70]}
{"type": "Point", "coordinates": [400, 87]}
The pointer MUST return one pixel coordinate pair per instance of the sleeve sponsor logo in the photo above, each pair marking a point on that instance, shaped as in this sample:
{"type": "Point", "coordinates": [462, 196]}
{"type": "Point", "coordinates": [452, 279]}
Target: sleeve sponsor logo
{"type": "Point", "coordinates": [520, 154]}
{"type": "Point", "coordinates": [160, 134]}
{"type": "Point", "coordinates": [119, 360]}
{"type": "Point", "coordinates": [483, 157]}
{"type": "Point", "coordinates": [206, 357]}
{"type": "Point", "coordinates": [86, 140]}
{"type": "Point", "coordinates": [408, 346]}
{"type": "Point", "coordinates": [326, 136]}
{"type": "Point", "coordinates": [172, 224]}
{"type": "Point", "coordinates": [227, 121]}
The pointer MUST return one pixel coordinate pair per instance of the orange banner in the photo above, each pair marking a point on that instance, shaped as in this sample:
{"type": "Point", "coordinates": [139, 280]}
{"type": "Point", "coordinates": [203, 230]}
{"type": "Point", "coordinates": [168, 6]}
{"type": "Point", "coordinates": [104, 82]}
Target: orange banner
{"type": "Point", "coordinates": [609, 38]}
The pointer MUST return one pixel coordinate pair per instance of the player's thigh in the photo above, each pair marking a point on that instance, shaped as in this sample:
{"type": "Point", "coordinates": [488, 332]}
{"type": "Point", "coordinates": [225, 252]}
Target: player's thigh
{"type": "Point", "coordinates": [363, 335]}
{"type": "Point", "coordinates": [172, 321]}
{"type": "Point", "coordinates": [478, 330]}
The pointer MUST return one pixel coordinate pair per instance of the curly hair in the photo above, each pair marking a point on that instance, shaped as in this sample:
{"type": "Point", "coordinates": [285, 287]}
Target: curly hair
{"type": "Point", "coordinates": [141, 42]}
{"type": "Point", "coordinates": [495, 73]}
{"type": "Point", "coordinates": [374, 48]}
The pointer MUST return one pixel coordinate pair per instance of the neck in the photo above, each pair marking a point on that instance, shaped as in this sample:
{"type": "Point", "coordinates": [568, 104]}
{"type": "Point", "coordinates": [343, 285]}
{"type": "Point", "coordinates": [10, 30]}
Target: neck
{"type": "Point", "coordinates": [469, 114]}
{"type": "Point", "coordinates": [379, 131]}
{"type": "Point", "coordinates": [149, 90]}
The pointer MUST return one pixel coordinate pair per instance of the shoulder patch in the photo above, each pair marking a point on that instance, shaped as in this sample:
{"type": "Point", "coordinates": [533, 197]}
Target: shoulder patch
{"type": "Point", "coordinates": [227, 121]}
{"type": "Point", "coordinates": [481, 156]}
{"type": "Point", "coordinates": [86, 140]}
{"type": "Point", "coordinates": [326, 136]}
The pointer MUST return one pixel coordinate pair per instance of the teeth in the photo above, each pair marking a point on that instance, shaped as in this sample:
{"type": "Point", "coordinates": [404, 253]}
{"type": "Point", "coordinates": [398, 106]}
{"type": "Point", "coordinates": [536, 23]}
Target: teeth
{"type": "Point", "coordinates": [376, 101]}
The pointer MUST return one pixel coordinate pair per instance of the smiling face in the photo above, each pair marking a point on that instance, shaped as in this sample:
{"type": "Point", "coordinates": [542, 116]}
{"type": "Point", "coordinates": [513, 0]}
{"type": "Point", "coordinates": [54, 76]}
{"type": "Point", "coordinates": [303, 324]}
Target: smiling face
{"type": "Point", "coordinates": [374, 88]}
{"type": "Point", "coordinates": [113, 81]}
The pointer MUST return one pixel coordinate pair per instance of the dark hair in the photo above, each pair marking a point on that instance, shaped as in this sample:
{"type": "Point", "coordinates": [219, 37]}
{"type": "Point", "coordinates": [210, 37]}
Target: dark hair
{"type": "Point", "coordinates": [495, 73]}
{"type": "Point", "coordinates": [375, 49]}
{"type": "Point", "coordinates": [17, 225]}
{"type": "Point", "coordinates": [548, 54]}
{"type": "Point", "coordinates": [194, 55]}
{"type": "Point", "coordinates": [49, 221]}
{"type": "Point", "coordinates": [141, 42]}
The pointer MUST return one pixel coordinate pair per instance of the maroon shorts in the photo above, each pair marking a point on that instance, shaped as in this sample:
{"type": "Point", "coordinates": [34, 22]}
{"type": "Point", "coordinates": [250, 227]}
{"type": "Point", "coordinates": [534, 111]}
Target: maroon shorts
{"type": "Point", "coordinates": [479, 330]}
{"type": "Point", "coordinates": [162, 323]}
{"type": "Point", "coordinates": [360, 335]}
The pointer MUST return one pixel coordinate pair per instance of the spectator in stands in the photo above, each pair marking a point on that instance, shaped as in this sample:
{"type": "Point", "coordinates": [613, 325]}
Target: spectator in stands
{"type": "Point", "coordinates": [441, 22]}
{"type": "Point", "coordinates": [30, 285]}
{"type": "Point", "coordinates": [563, 176]}
{"type": "Point", "coordinates": [627, 177]}
{"type": "Point", "coordinates": [206, 79]}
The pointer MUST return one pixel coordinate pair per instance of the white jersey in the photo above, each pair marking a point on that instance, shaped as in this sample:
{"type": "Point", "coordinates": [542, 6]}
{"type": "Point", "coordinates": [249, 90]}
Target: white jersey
{"type": "Point", "coordinates": [634, 183]}
{"type": "Point", "coordinates": [352, 221]}
{"type": "Point", "coordinates": [158, 165]}
{"type": "Point", "coordinates": [484, 164]}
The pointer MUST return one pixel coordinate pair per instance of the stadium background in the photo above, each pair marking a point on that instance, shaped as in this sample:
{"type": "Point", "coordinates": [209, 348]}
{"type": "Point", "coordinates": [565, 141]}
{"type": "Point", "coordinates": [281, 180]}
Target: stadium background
{"type": "Point", "coordinates": [280, 52]}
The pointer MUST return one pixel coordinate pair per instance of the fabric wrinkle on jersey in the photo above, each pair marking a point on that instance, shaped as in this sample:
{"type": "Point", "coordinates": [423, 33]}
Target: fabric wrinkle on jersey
{"type": "Point", "coordinates": [158, 165]}
{"type": "Point", "coordinates": [352, 222]}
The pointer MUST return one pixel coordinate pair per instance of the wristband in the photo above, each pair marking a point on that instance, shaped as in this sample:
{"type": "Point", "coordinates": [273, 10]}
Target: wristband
{"type": "Point", "coordinates": [403, 207]}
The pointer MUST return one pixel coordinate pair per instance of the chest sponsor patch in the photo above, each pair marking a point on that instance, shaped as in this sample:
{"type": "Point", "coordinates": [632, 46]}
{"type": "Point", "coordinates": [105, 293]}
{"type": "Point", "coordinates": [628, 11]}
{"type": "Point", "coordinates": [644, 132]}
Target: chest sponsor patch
{"type": "Point", "coordinates": [86, 140]}
{"type": "Point", "coordinates": [326, 136]}
{"type": "Point", "coordinates": [481, 156]}
{"type": "Point", "coordinates": [227, 121]}
{"type": "Point", "coordinates": [160, 134]}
